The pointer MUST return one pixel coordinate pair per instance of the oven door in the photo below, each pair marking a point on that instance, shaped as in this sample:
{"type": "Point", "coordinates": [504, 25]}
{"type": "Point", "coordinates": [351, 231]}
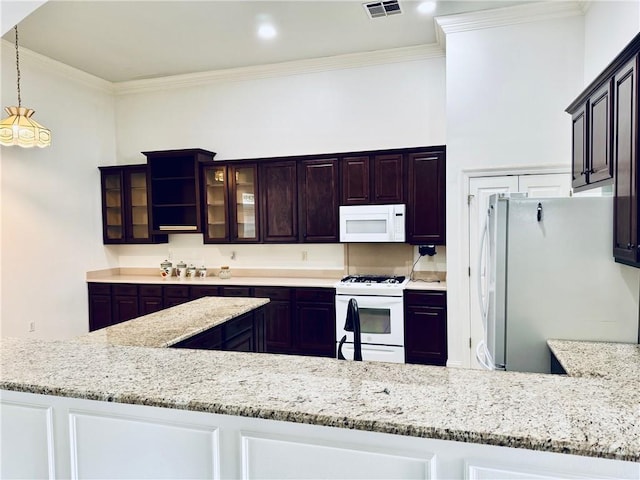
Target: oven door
{"type": "Point", "coordinates": [375, 353]}
{"type": "Point", "coordinates": [381, 319]}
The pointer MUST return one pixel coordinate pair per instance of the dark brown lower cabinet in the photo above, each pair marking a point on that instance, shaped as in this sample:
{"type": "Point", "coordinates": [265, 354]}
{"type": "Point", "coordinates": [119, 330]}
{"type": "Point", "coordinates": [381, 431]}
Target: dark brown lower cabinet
{"type": "Point", "coordinates": [297, 321]}
{"type": "Point", "coordinates": [241, 334]}
{"type": "Point", "coordinates": [278, 318]}
{"type": "Point", "coordinates": [315, 326]}
{"type": "Point", "coordinates": [125, 302]}
{"type": "Point", "coordinates": [99, 306]}
{"type": "Point", "coordinates": [175, 295]}
{"type": "Point", "coordinates": [425, 327]}
{"type": "Point", "coordinates": [150, 299]}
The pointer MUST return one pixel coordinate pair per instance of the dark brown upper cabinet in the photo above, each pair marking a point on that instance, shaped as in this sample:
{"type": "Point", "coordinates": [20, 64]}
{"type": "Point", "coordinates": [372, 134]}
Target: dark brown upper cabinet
{"type": "Point", "coordinates": [426, 209]}
{"type": "Point", "coordinates": [318, 200]}
{"type": "Point", "coordinates": [279, 201]}
{"type": "Point", "coordinates": [611, 144]}
{"type": "Point", "coordinates": [215, 195]}
{"type": "Point", "coordinates": [591, 140]}
{"type": "Point", "coordinates": [625, 156]}
{"type": "Point", "coordinates": [243, 202]}
{"type": "Point", "coordinates": [174, 189]}
{"type": "Point", "coordinates": [372, 179]}
{"type": "Point", "coordinates": [125, 214]}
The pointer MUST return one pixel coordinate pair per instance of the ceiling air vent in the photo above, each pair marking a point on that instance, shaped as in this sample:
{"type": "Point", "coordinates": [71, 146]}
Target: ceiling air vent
{"type": "Point", "coordinates": [382, 9]}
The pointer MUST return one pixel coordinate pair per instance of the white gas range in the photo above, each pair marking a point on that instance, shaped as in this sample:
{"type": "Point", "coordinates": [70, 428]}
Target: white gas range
{"type": "Point", "coordinates": [380, 300]}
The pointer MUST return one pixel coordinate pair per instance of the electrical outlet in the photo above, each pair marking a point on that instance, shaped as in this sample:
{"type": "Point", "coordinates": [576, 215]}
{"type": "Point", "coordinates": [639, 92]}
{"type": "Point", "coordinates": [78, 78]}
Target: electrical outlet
{"type": "Point", "coordinates": [32, 326]}
{"type": "Point", "coordinates": [304, 255]}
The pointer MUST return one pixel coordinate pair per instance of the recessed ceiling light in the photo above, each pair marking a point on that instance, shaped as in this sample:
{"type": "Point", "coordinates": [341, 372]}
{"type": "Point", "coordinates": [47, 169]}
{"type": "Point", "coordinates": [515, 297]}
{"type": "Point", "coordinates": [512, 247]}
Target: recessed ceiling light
{"type": "Point", "coordinates": [426, 8]}
{"type": "Point", "coordinates": [267, 31]}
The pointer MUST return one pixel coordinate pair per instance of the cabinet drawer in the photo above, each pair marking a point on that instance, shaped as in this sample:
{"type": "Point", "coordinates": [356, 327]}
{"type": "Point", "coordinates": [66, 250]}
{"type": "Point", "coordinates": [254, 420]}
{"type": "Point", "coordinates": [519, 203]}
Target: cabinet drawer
{"type": "Point", "coordinates": [100, 289]}
{"type": "Point", "coordinates": [200, 291]}
{"type": "Point", "coordinates": [178, 291]}
{"type": "Point", "coordinates": [273, 293]}
{"type": "Point", "coordinates": [119, 289]}
{"type": "Point", "coordinates": [236, 291]}
{"type": "Point", "coordinates": [430, 298]}
{"type": "Point", "coordinates": [324, 295]}
{"type": "Point", "coordinates": [238, 325]}
{"type": "Point", "coordinates": [150, 290]}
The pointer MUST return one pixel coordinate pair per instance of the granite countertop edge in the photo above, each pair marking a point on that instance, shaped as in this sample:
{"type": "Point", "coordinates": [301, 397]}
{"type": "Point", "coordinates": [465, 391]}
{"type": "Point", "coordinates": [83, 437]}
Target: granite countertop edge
{"type": "Point", "coordinates": [465, 436]}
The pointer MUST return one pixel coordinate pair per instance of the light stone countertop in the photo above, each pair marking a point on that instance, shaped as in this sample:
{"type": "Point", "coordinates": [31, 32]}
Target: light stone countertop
{"type": "Point", "coordinates": [144, 276]}
{"type": "Point", "coordinates": [614, 361]}
{"type": "Point", "coordinates": [589, 416]}
{"type": "Point", "coordinates": [172, 325]}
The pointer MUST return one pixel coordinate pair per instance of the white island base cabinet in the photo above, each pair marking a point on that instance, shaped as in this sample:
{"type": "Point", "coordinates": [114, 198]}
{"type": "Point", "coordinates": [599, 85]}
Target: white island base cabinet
{"type": "Point", "coordinates": [57, 437]}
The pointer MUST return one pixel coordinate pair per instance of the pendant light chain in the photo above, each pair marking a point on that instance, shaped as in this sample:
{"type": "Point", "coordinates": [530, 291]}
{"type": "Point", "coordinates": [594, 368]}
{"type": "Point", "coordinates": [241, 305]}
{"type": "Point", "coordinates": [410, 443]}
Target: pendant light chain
{"type": "Point", "coordinates": [18, 66]}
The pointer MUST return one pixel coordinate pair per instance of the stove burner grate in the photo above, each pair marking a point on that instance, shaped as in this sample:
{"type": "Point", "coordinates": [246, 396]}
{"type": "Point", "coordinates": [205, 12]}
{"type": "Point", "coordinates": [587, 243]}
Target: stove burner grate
{"type": "Point", "coordinates": [388, 279]}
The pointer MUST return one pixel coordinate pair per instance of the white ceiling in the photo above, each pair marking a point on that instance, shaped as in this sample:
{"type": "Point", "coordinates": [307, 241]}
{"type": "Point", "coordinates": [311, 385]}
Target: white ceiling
{"type": "Point", "coordinates": [130, 40]}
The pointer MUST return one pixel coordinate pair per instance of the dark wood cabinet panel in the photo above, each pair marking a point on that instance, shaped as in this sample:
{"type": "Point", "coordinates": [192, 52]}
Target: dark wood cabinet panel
{"type": "Point", "coordinates": [199, 291]}
{"type": "Point", "coordinates": [426, 211]}
{"type": "Point", "coordinates": [125, 307]}
{"type": "Point", "coordinates": [388, 179]}
{"type": "Point", "coordinates": [174, 189]}
{"type": "Point", "coordinates": [278, 194]}
{"type": "Point", "coordinates": [125, 213]}
{"type": "Point", "coordinates": [625, 156]}
{"type": "Point", "coordinates": [315, 325]}
{"type": "Point", "coordinates": [244, 204]}
{"type": "Point", "coordinates": [600, 167]}
{"type": "Point", "coordinates": [318, 200]}
{"type": "Point", "coordinates": [355, 180]}
{"type": "Point", "coordinates": [373, 179]}
{"type": "Point", "coordinates": [100, 311]}
{"type": "Point", "coordinates": [235, 292]}
{"type": "Point", "coordinates": [579, 144]}
{"type": "Point", "coordinates": [175, 295]}
{"type": "Point", "coordinates": [241, 334]}
{"type": "Point", "coordinates": [591, 139]}
{"type": "Point", "coordinates": [425, 328]}
{"type": "Point", "coordinates": [150, 299]}
{"type": "Point", "coordinates": [278, 318]}
{"type": "Point", "coordinates": [215, 209]}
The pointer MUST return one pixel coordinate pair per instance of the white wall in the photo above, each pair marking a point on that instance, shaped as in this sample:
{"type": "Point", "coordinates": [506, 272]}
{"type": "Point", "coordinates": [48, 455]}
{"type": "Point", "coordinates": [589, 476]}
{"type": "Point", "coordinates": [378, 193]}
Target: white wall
{"type": "Point", "coordinates": [609, 27]}
{"type": "Point", "coordinates": [384, 106]}
{"type": "Point", "coordinates": [50, 201]}
{"type": "Point", "coordinates": [507, 88]}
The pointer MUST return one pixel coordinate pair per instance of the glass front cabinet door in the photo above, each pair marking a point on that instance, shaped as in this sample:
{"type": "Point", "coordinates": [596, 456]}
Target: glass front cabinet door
{"type": "Point", "coordinates": [216, 222]}
{"type": "Point", "coordinates": [125, 214]}
{"type": "Point", "coordinates": [244, 202]}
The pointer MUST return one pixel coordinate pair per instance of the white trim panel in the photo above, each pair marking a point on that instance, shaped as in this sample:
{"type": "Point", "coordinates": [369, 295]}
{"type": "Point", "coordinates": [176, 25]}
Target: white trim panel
{"type": "Point", "coordinates": [266, 456]}
{"type": "Point", "coordinates": [118, 446]}
{"type": "Point", "coordinates": [26, 441]}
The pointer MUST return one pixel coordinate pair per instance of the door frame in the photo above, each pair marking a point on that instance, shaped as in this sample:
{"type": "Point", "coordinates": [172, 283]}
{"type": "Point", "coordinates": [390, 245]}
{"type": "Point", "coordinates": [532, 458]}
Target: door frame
{"type": "Point", "coordinates": [464, 286]}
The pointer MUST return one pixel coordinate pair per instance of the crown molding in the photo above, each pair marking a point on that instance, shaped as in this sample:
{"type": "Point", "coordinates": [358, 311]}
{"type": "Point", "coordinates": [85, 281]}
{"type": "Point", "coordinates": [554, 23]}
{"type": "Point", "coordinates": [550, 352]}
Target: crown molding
{"type": "Point", "coordinates": [298, 67]}
{"type": "Point", "coordinates": [499, 17]}
{"type": "Point", "coordinates": [59, 68]}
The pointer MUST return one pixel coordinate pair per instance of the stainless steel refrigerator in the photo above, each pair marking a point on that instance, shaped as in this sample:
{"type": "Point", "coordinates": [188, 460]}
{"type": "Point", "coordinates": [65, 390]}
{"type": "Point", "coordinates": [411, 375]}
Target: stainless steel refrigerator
{"type": "Point", "coordinates": [547, 271]}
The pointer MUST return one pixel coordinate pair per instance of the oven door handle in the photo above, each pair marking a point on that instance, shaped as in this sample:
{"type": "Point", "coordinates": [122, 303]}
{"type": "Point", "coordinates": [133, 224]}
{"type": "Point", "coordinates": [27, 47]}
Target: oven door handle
{"type": "Point", "coordinates": [340, 354]}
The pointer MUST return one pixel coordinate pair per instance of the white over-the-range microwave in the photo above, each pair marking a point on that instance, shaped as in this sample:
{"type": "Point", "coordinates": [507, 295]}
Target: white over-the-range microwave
{"type": "Point", "coordinates": [372, 223]}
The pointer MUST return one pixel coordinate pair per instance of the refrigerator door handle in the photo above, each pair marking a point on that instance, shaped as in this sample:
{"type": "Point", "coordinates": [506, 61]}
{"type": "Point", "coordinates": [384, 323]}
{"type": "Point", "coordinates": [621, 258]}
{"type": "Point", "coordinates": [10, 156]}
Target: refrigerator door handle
{"type": "Point", "coordinates": [539, 211]}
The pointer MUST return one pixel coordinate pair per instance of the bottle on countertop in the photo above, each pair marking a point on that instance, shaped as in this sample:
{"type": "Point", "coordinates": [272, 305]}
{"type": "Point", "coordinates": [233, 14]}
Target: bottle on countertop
{"type": "Point", "coordinates": [202, 272]}
{"type": "Point", "coordinates": [191, 271]}
{"type": "Point", "coordinates": [225, 272]}
{"type": "Point", "coordinates": [181, 270]}
{"type": "Point", "coordinates": [166, 269]}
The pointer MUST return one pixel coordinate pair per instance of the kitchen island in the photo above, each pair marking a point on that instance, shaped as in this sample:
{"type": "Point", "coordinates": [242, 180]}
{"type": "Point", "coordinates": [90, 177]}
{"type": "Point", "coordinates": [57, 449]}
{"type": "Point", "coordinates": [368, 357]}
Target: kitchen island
{"type": "Point", "coordinates": [260, 415]}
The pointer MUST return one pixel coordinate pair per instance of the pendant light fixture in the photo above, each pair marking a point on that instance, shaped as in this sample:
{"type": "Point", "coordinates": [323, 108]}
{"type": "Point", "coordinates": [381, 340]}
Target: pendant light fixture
{"type": "Point", "coordinates": [19, 128]}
